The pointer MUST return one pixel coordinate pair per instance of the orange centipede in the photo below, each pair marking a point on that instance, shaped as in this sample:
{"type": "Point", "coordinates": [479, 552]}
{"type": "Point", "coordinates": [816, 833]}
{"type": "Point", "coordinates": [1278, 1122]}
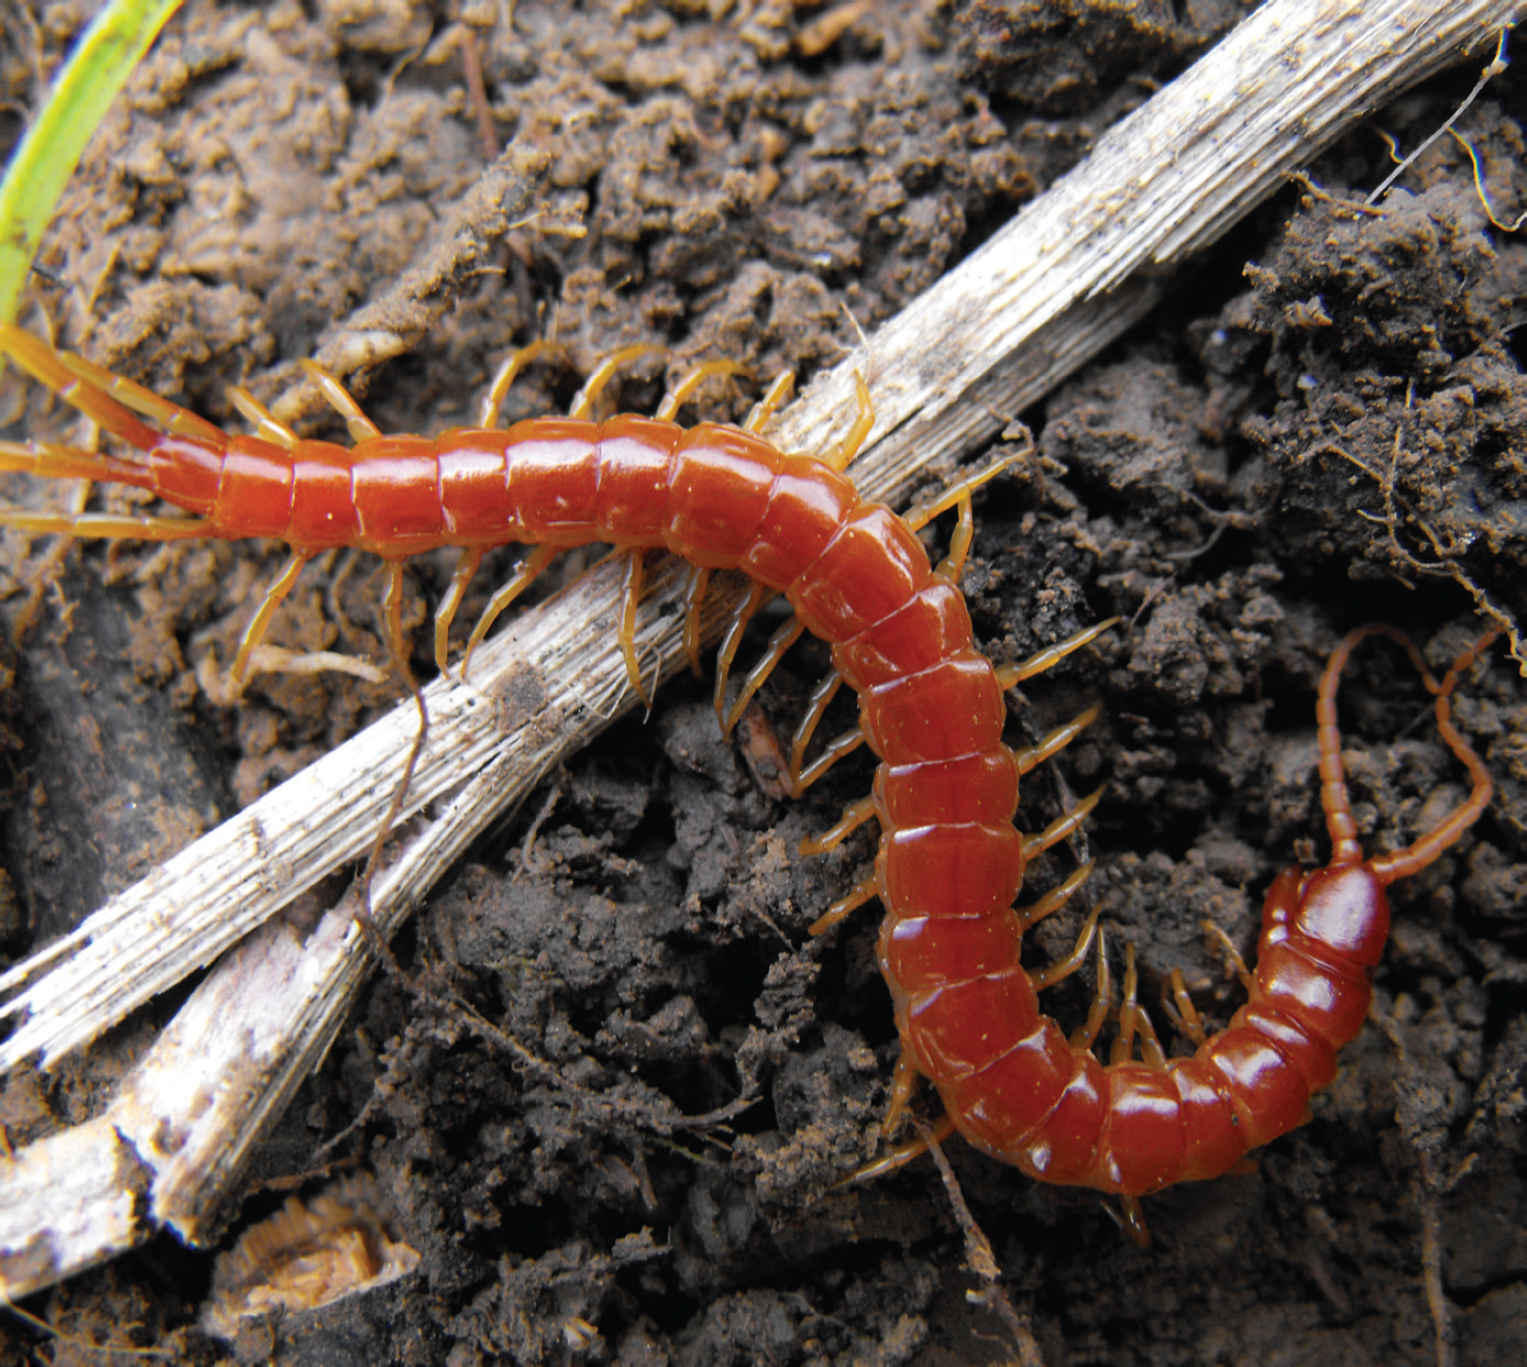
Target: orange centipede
{"type": "Point", "coordinates": [950, 861]}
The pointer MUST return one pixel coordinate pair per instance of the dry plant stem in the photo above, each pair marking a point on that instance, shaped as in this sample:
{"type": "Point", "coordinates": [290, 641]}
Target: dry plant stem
{"type": "Point", "coordinates": [1016, 317]}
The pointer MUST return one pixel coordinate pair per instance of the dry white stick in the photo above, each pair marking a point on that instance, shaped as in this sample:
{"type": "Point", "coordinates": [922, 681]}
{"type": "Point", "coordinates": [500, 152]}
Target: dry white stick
{"type": "Point", "coordinates": [992, 336]}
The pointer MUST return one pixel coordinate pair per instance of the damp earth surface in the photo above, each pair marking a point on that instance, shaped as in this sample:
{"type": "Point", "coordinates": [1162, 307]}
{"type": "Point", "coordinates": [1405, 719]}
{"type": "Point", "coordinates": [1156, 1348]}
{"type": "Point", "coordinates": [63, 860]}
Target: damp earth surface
{"type": "Point", "coordinates": [610, 1097]}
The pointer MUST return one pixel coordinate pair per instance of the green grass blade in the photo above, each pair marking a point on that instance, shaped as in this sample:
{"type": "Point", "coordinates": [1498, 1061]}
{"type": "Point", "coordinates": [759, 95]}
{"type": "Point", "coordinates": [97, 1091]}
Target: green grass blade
{"type": "Point", "coordinates": [108, 50]}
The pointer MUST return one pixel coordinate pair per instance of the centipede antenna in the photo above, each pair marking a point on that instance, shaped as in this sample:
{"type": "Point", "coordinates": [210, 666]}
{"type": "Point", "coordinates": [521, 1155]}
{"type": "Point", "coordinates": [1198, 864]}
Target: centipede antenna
{"type": "Point", "coordinates": [1415, 857]}
{"type": "Point", "coordinates": [1334, 798]}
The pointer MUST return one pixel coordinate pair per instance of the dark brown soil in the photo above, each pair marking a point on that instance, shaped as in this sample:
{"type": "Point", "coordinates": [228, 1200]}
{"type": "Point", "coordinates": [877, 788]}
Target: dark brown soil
{"type": "Point", "coordinates": [1331, 435]}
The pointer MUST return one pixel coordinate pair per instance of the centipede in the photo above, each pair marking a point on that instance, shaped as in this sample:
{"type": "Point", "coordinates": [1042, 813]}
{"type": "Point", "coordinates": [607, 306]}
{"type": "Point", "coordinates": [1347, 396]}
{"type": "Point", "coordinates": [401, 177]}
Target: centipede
{"type": "Point", "coordinates": [950, 862]}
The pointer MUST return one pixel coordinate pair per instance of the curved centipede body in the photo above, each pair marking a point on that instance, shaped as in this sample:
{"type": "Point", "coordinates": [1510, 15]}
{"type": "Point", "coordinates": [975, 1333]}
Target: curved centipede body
{"type": "Point", "coordinates": [950, 861]}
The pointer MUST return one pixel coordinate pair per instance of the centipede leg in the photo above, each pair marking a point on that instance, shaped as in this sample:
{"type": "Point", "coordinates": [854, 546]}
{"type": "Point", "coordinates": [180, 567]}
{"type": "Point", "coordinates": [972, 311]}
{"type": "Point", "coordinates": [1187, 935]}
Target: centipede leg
{"type": "Point", "coordinates": [816, 707]}
{"type": "Point", "coordinates": [1027, 760]}
{"type": "Point", "coordinates": [903, 1083]}
{"type": "Point", "coordinates": [1064, 968]}
{"type": "Point", "coordinates": [1061, 827]}
{"type": "Point", "coordinates": [903, 1154]}
{"type": "Point", "coordinates": [1132, 1019]}
{"type": "Point", "coordinates": [266, 425]}
{"type": "Point", "coordinates": [1130, 1217]}
{"type": "Point", "coordinates": [958, 492]}
{"type": "Point", "coordinates": [527, 570]}
{"type": "Point", "coordinates": [397, 648]}
{"type": "Point", "coordinates": [625, 631]}
{"type": "Point", "coordinates": [845, 906]}
{"type": "Point", "coordinates": [1008, 675]}
{"type": "Point", "coordinates": [679, 395]}
{"type": "Point", "coordinates": [1183, 1014]}
{"type": "Point", "coordinates": [952, 566]}
{"type": "Point", "coordinates": [130, 527]}
{"type": "Point", "coordinates": [728, 652]}
{"type": "Point", "coordinates": [1231, 953]}
{"type": "Point", "coordinates": [843, 453]}
{"type": "Point", "coordinates": [1053, 900]}
{"type": "Point", "coordinates": [696, 582]}
{"type": "Point", "coordinates": [832, 752]}
{"type": "Point", "coordinates": [853, 817]}
{"type": "Point", "coordinates": [341, 400]}
{"type": "Point", "coordinates": [778, 393]}
{"type": "Point", "coordinates": [1085, 1036]}
{"type": "Point", "coordinates": [604, 372]}
{"type": "Point", "coordinates": [274, 596]}
{"type": "Point", "coordinates": [461, 577]}
{"type": "Point", "coordinates": [958, 495]}
{"type": "Point", "coordinates": [1150, 1044]}
{"type": "Point", "coordinates": [514, 363]}
{"type": "Point", "coordinates": [1123, 1049]}
{"type": "Point", "coordinates": [785, 636]}
{"type": "Point", "coordinates": [47, 460]}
